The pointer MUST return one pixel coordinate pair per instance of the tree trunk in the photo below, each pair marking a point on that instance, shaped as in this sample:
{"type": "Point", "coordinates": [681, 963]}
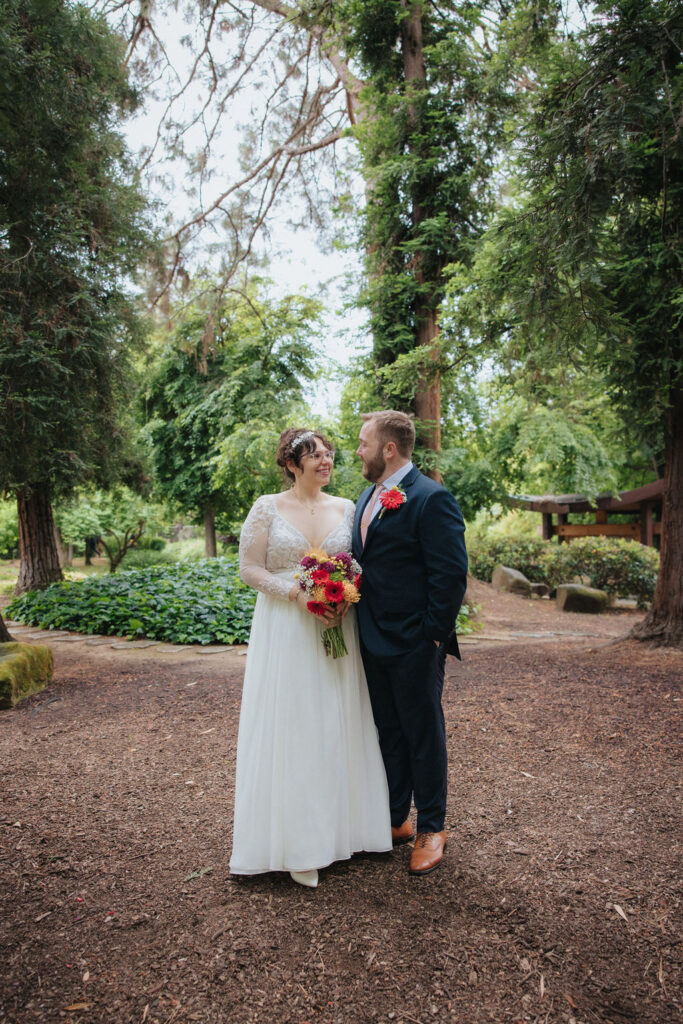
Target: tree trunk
{"type": "Point", "coordinates": [428, 394]}
{"type": "Point", "coordinates": [664, 622]}
{"type": "Point", "coordinates": [37, 547]}
{"type": "Point", "coordinates": [210, 532]}
{"type": "Point", "coordinates": [5, 638]}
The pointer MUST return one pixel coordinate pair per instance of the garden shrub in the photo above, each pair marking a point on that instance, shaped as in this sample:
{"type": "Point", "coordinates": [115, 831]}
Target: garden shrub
{"type": "Point", "coordinates": [618, 566]}
{"type": "Point", "coordinates": [525, 555]}
{"type": "Point", "coordinates": [200, 602]}
{"type": "Point", "coordinates": [9, 529]}
{"type": "Point", "coordinates": [146, 543]}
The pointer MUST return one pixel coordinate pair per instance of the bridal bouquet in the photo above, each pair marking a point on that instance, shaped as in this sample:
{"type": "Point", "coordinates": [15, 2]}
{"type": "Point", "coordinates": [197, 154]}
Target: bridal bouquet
{"type": "Point", "coordinates": [328, 581]}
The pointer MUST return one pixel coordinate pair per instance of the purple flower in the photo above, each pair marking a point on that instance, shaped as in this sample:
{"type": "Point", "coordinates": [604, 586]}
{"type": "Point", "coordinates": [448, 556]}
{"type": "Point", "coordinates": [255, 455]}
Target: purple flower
{"type": "Point", "coordinates": [342, 556]}
{"type": "Point", "coordinates": [308, 562]}
{"type": "Point", "coordinates": [328, 566]}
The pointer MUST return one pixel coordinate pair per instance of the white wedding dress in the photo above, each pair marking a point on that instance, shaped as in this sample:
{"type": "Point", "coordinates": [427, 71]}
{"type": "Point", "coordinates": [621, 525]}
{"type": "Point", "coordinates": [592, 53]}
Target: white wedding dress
{"type": "Point", "coordinates": [311, 787]}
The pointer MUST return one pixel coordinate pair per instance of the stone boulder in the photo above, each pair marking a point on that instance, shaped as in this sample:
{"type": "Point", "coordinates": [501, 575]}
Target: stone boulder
{"type": "Point", "coordinates": [574, 597]}
{"type": "Point", "coordinates": [24, 669]}
{"type": "Point", "coordinates": [511, 580]}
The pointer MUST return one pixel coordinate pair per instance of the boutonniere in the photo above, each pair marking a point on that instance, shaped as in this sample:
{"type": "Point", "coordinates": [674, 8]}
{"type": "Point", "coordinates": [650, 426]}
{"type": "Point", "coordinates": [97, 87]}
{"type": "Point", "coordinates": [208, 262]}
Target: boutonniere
{"type": "Point", "coordinates": [391, 499]}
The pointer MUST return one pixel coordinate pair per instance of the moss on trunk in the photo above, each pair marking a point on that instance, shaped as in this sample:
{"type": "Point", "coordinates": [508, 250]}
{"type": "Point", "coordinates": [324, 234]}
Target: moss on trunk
{"type": "Point", "coordinates": [24, 669]}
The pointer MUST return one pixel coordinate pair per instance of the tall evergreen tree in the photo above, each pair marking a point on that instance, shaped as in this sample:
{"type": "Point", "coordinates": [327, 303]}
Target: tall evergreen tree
{"type": "Point", "coordinates": [71, 231]}
{"type": "Point", "coordinates": [589, 268]}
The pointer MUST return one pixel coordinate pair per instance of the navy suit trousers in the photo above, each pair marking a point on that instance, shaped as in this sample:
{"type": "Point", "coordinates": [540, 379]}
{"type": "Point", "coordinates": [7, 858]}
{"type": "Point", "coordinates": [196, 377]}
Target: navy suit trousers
{"type": "Point", "coordinates": [405, 692]}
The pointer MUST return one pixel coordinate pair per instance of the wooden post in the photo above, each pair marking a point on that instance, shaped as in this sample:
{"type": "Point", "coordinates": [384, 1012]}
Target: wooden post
{"type": "Point", "coordinates": [548, 529]}
{"type": "Point", "coordinates": [647, 534]}
{"type": "Point", "coordinates": [562, 520]}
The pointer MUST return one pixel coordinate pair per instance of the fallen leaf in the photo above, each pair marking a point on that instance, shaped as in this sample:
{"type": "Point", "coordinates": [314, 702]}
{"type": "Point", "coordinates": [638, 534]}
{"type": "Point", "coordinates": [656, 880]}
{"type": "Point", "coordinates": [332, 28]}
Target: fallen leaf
{"type": "Point", "coordinates": [570, 1000]}
{"type": "Point", "coordinates": [541, 986]}
{"type": "Point", "coordinates": [197, 874]}
{"type": "Point", "coordinates": [41, 916]}
{"type": "Point", "coordinates": [620, 912]}
{"type": "Point", "coordinates": [86, 976]}
{"type": "Point", "coordinates": [145, 1013]}
{"type": "Point", "coordinates": [79, 1006]}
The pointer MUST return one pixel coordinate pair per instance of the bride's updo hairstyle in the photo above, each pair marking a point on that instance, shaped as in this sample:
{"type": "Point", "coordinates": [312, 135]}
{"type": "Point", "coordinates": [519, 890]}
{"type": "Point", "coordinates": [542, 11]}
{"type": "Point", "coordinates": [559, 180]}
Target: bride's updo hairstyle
{"type": "Point", "coordinates": [294, 444]}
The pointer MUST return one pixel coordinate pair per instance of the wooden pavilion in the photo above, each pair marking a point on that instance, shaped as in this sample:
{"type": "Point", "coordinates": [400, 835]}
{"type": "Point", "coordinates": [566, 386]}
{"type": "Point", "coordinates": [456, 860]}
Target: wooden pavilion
{"type": "Point", "coordinates": [645, 503]}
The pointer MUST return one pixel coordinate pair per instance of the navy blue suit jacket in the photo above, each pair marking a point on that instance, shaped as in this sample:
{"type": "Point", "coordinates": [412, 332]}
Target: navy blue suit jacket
{"type": "Point", "coordinates": [414, 569]}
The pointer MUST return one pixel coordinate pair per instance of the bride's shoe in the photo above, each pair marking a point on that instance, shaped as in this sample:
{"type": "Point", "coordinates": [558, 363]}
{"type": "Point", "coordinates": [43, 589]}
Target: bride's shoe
{"type": "Point", "coordinates": [309, 878]}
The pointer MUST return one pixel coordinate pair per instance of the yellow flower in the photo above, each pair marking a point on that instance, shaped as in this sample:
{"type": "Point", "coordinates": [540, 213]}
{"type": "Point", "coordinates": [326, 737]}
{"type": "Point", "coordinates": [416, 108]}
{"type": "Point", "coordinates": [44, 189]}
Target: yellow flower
{"type": "Point", "coordinates": [320, 556]}
{"type": "Point", "coordinates": [350, 593]}
{"type": "Point", "coordinates": [318, 594]}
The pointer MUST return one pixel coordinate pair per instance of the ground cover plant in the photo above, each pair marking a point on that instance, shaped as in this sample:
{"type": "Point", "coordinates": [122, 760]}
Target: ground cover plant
{"type": "Point", "coordinates": [200, 602]}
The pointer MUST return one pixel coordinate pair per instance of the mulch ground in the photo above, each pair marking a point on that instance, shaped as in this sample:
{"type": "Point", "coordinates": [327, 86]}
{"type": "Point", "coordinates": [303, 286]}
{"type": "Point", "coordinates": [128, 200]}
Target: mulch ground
{"type": "Point", "coordinates": [559, 898]}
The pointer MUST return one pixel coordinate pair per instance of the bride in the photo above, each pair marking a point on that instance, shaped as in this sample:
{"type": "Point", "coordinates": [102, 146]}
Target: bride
{"type": "Point", "coordinates": [311, 787]}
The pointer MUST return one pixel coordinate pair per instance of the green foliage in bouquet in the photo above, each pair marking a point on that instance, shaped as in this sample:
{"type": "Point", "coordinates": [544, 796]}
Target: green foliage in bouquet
{"type": "Point", "coordinates": [199, 602]}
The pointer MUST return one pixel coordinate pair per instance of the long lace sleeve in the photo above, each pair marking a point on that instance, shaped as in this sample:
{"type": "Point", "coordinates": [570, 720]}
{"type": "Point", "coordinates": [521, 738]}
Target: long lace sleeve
{"type": "Point", "coordinates": [253, 549]}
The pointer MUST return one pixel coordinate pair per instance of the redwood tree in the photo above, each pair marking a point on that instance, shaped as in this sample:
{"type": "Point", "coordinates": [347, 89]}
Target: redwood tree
{"type": "Point", "coordinates": [71, 231]}
{"type": "Point", "coordinates": [589, 268]}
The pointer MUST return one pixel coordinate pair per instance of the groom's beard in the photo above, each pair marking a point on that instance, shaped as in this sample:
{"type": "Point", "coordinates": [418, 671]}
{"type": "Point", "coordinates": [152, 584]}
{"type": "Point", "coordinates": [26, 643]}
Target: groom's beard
{"type": "Point", "coordinates": [374, 468]}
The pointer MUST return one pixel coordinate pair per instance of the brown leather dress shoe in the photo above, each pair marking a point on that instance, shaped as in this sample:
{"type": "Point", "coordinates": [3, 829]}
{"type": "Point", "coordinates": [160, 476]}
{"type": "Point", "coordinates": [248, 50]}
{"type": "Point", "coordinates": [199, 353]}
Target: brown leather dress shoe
{"type": "Point", "coordinates": [402, 834]}
{"type": "Point", "coordinates": [427, 853]}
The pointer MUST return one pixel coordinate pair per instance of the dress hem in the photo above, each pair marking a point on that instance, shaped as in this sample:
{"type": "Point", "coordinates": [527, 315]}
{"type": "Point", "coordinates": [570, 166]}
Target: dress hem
{"type": "Point", "coordinates": [313, 867]}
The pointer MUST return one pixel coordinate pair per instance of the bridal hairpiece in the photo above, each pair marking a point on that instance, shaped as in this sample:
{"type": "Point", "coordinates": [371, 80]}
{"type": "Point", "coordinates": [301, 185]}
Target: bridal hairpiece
{"type": "Point", "coordinates": [300, 439]}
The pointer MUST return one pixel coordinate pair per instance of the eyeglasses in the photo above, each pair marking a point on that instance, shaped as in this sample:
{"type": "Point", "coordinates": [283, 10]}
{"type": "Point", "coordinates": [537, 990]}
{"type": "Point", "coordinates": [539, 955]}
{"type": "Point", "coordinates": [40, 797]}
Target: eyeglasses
{"type": "Point", "coordinates": [318, 457]}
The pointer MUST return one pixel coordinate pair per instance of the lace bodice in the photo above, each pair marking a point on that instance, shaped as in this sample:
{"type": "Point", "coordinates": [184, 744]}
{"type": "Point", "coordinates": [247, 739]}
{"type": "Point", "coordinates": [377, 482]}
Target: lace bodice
{"type": "Point", "coordinates": [271, 548]}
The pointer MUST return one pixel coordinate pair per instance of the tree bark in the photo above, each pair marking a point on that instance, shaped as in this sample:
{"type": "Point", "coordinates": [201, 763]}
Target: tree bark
{"type": "Point", "coordinates": [5, 637]}
{"type": "Point", "coordinates": [428, 394]}
{"type": "Point", "coordinates": [664, 622]}
{"type": "Point", "coordinates": [39, 565]}
{"type": "Point", "coordinates": [210, 532]}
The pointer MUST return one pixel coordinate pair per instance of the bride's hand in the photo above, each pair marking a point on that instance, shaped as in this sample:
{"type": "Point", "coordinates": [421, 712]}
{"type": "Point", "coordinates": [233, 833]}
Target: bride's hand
{"type": "Point", "coordinates": [301, 599]}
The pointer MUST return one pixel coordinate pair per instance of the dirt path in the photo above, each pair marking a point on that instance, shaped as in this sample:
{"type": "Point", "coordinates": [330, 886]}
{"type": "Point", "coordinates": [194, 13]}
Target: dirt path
{"type": "Point", "coordinates": [559, 899]}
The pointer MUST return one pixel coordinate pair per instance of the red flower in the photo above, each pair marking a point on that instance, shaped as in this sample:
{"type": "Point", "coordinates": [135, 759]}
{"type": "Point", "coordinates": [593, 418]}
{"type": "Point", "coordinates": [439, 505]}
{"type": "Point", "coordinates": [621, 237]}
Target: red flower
{"type": "Point", "coordinates": [356, 581]}
{"type": "Point", "coordinates": [320, 576]}
{"type": "Point", "coordinates": [317, 607]}
{"type": "Point", "coordinates": [393, 498]}
{"type": "Point", "coordinates": [334, 592]}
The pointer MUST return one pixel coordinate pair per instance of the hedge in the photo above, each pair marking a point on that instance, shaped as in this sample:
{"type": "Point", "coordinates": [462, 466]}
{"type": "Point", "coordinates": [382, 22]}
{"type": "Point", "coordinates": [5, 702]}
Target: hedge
{"type": "Point", "coordinates": [623, 568]}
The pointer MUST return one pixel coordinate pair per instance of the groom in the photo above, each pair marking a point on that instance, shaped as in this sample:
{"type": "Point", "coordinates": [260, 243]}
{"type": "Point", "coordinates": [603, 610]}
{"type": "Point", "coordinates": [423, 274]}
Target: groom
{"type": "Point", "coordinates": [409, 538]}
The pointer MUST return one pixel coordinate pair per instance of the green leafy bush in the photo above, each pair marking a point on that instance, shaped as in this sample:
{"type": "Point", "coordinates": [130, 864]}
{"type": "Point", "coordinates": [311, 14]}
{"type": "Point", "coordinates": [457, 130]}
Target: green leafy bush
{"type": "Point", "coordinates": [9, 530]}
{"type": "Point", "coordinates": [618, 566]}
{"type": "Point", "coordinates": [525, 555]}
{"type": "Point", "coordinates": [466, 623]}
{"type": "Point", "coordinates": [146, 543]}
{"type": "Point", "coordinates": [199, 602]}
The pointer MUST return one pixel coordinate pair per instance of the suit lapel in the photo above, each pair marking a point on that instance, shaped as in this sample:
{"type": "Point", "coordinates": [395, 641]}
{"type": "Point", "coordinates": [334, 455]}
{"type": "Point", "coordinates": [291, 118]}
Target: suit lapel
{"type": "Point", "coordinates": [360, 509]}
{"type": "Point", "coordinates": [407, 481]}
